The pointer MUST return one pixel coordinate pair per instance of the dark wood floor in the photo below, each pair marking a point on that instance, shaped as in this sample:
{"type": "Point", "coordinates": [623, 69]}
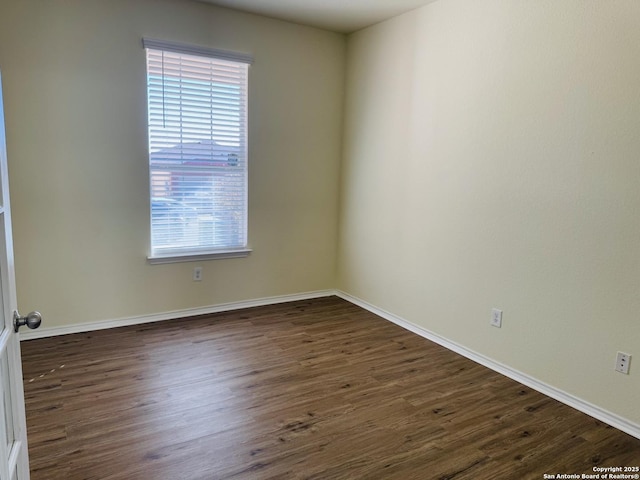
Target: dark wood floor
{"type": "Point", "coordinates": [317, 389]}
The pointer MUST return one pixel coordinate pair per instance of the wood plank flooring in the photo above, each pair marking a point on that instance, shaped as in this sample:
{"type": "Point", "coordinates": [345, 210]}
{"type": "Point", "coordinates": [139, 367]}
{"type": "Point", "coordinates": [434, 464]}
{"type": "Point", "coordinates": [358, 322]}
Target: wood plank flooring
{"type": "Point", "coordinates": [317, 389]}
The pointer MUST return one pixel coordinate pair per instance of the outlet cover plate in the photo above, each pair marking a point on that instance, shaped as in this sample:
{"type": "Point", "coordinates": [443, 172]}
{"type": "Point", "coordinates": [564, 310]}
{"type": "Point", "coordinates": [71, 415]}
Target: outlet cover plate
{"type": "Point", "coordinates": [496, 317]}
{"type": "Point", "coordinates": [197, 274]}
{"type": "Point", "coordinates": [622, 362]}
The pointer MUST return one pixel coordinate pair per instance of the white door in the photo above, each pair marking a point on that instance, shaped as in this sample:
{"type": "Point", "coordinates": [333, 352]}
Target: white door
{"type": "Point", "coordinates": [14, 461]}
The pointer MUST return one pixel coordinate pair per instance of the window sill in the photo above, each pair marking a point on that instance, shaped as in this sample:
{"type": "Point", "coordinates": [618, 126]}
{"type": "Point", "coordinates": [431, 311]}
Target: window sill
{"type": "Point", "coordinates": [197, 257]}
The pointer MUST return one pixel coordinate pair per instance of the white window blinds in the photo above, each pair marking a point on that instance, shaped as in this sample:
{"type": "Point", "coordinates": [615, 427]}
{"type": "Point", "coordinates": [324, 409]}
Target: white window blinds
{"type": "Point", "coordinates": [197, 106]}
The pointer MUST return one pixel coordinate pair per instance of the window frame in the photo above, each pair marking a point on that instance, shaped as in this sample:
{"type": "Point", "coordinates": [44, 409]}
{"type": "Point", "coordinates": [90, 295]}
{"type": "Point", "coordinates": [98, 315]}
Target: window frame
{"type": "Point", "coordinates": [196, 253]}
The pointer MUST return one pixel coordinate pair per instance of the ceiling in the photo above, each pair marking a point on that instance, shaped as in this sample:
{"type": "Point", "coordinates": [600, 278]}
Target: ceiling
{"type": "Point", "coordinates": [343, 16]}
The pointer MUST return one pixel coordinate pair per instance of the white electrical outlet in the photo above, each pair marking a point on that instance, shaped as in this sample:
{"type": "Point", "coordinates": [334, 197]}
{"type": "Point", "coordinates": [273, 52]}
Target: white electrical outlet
{"type": "Point", "coordinates": [622, 362]}
{"type": "Point", "coordinates": [197, 274]}
{"type": "Point", "coordinates": [496, 317]}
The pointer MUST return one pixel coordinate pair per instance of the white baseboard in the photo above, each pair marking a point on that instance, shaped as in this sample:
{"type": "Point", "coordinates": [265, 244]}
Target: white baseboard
{"type": "Point", "coordinates": [594, 411]}
{"type": "Point", "coordinates": [44, 332]}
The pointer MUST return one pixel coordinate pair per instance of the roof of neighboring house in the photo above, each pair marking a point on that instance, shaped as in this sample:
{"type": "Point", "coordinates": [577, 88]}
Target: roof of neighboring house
{"type": "Point", "coordinates": [195, 153]}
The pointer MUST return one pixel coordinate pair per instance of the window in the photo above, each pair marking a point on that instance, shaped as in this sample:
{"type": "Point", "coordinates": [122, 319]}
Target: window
{"type": "Point", "coordinates": [197, 107]}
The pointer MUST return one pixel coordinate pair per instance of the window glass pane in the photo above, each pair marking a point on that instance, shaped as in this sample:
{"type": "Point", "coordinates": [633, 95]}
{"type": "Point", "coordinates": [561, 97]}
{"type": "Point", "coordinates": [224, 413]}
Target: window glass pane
{"type": "Point", "coordinates": [197, 152]}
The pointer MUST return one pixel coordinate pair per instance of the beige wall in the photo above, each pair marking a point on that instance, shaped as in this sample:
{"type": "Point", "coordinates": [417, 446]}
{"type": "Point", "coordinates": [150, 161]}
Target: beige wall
{"type": "Point", "coordinates": [491, 159]}
{"type": "Point", "coordinates": [75, 98]}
